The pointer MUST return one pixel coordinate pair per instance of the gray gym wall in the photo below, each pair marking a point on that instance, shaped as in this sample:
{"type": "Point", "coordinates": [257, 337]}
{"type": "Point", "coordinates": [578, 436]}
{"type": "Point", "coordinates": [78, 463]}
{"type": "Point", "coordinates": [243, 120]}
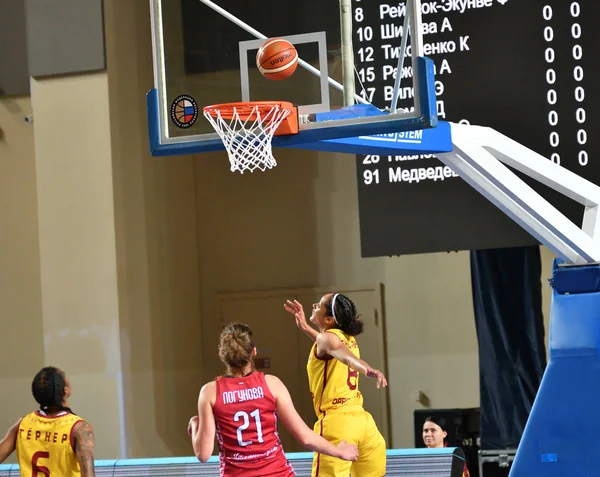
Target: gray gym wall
{"type": "Point", "coordinates": [47, 38]}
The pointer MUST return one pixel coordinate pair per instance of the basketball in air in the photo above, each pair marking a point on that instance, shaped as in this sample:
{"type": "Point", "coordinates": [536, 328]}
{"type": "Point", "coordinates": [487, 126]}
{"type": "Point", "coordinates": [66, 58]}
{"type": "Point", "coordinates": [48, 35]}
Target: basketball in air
{"type": "Point", "coordinates": [277, 59]}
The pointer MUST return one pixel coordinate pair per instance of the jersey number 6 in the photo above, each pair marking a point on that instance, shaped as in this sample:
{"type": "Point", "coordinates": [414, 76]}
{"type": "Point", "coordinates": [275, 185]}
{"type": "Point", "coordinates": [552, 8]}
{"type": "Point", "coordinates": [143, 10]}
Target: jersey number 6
{"type": "Point", "coordinates": [242, 415]}
{"type": "Point", "coordinates": [39, 469]}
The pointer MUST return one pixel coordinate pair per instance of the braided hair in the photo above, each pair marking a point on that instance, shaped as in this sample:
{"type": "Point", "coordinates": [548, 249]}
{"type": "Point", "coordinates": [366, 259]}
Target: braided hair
{"type": "Point", "coordinates": [344, 313]}
{"type": "Point", "coordinates": [48, 389]}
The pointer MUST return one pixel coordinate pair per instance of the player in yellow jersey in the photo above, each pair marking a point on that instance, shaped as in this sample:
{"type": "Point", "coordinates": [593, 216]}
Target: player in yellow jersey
{"type": "Point", "coordinates": [333, 370]}
{"type": "Point", "coordinates": [51, 442]}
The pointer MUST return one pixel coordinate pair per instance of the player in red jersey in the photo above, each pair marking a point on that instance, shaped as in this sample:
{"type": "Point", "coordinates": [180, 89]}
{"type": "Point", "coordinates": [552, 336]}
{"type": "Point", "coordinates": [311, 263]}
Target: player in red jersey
{"type": "Point", "coordinates": [242, 409]}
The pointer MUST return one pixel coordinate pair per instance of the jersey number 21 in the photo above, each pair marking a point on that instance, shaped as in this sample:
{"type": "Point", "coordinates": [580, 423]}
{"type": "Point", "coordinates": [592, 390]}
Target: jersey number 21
{"type": "Point", "coordinates": [243, 416]}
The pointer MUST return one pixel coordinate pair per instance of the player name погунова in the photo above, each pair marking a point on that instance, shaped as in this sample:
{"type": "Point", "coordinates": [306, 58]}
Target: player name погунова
{"type": "Point", "coordinates": [230, 397]}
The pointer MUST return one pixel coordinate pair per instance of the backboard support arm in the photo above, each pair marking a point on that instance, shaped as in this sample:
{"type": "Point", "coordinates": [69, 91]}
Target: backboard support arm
{"type": "Point", "coordinates": [481, 156]}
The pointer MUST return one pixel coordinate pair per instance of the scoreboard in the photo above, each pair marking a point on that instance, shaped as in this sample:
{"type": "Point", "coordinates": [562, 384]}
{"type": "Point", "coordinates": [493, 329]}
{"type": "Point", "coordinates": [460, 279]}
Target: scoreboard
{"type": "Point", "coordinates": [527, 68]}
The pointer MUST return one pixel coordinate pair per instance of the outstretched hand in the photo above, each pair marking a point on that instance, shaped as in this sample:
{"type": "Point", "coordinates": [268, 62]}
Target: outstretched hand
{"type": "Point", "coordinates": [348, 451]}
{"type": "Point", "coordinates": [295, 308]}
{"type": "Point", "coordinates": [375, 373]}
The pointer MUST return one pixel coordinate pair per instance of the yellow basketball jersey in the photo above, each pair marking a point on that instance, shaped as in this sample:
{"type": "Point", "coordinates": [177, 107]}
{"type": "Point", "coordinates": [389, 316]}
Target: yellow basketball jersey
{"type": "Point", "coordinates": [45, 445]}
{"type": "Point", "coordinates": [333, 385]}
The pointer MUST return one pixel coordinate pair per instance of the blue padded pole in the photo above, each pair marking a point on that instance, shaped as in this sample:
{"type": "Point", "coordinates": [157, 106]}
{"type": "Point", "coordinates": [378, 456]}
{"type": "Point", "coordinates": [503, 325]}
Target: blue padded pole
{"type": "Point", "coordinates": [561, 437]}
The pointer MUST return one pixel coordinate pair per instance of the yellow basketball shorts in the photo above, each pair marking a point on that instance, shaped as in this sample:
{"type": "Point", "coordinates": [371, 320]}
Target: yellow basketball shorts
{"type": "Point", "coordinates": [355, 427]}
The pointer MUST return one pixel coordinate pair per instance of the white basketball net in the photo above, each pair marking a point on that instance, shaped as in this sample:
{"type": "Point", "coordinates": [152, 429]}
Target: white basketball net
{"type": "Point", "coordinates": [248, 141]}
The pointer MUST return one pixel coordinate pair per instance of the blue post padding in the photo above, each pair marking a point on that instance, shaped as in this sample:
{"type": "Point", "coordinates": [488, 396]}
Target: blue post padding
{"type": "Point", "coordinates": [587, 280]}
{"type": "Point", "coordinates": [561, 435]}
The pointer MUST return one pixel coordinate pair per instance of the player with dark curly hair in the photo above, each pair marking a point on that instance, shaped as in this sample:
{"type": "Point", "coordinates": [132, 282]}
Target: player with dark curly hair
{"type": "Point", "coordinates": [333, 369]}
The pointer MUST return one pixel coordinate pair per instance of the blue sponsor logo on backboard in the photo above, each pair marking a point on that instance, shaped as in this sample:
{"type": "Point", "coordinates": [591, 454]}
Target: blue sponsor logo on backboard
{"type": "Point", "coordinates": [409, 137]}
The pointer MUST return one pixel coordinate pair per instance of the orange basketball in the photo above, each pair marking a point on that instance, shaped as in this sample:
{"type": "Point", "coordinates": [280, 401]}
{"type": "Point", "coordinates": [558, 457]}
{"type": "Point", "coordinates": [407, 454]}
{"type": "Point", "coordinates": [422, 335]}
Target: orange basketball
{"type": "Point", "coordinates": [277, 59]}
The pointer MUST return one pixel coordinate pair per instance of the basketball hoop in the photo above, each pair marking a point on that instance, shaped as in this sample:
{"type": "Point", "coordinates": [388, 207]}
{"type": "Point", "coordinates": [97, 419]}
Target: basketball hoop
{"type": "Point", "coordinates": [247, 129]}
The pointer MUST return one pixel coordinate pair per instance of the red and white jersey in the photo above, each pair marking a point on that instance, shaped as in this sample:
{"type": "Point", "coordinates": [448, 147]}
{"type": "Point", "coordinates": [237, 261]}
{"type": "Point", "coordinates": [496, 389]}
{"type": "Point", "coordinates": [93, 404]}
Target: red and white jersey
{"type": "Point", "coordinates": [246, 424]}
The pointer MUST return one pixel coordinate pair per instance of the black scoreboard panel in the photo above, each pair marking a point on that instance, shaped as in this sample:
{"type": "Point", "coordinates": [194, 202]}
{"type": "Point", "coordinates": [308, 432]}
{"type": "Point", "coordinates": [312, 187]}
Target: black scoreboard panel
{"type": "Point", "coordinates": [527, 68]}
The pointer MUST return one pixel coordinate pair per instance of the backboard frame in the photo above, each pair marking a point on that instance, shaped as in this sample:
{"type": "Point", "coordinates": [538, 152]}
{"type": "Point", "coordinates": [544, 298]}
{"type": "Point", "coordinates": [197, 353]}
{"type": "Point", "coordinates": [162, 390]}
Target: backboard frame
{"type": "Point", "coordinates": [423, 116]}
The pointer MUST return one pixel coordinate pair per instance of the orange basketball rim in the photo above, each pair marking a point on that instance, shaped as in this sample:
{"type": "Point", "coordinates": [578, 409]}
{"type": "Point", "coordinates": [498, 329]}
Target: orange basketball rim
{"type": "Point", "coordinates": [258, 110]}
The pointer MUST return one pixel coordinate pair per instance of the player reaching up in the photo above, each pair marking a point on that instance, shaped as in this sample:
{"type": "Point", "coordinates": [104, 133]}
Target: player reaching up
{"type": "Point", "coordinates": [242, 409]}
{"type": "Point", "coordinates": [333, 369]}
{"type": "Point", "coordinates": [51, 441]}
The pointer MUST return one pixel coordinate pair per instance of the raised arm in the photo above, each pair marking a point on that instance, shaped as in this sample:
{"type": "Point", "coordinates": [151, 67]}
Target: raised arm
{"type": "Point", "coordinates": [286, 412]}
{"type": "Point", "coordinates": [330, 344]}
{"type": "Point", "coordinates": [295, 308]}
{"type": "Point", "coordinates": [9, 443]}
{"type": "Point", "coordinates": [83, 435]}
{"type": "Point", "coordinates": [202, 427]}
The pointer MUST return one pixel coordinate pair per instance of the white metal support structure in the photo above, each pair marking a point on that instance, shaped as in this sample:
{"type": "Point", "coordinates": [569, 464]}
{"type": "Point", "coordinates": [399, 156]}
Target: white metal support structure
{"type": "Point", "coordinates": [347, 52]}
{"type": "Point", "coordinates": [481, 155]}
{"type": "Point", "coordinates": [401, 55]}
{"type": "Point", "coordinates": [413, 29]}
